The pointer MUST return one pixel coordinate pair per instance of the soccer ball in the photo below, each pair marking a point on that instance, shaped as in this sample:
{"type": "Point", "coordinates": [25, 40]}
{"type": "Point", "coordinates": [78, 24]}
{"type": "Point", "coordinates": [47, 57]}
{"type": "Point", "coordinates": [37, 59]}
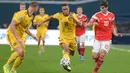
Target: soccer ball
{"type": "Point", "coordinates": [65, 62]}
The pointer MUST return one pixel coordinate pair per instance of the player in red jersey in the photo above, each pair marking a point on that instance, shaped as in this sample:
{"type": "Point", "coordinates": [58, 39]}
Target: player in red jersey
{"type": "Point", "coordinates": [80, 33]}
{"type": "Point", "coordinates": [104, 27]}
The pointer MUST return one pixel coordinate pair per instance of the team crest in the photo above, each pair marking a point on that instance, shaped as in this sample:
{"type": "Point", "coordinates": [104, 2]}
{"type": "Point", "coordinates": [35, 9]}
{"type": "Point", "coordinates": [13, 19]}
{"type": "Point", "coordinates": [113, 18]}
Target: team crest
{"type": "Point", "coordinates": [20, 17]}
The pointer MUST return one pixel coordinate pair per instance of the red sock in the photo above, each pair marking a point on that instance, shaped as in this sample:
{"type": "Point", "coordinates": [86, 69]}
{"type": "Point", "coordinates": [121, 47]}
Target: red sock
{"type": "Point", "coordinates": [96, 59]}
{"type": "Point", "coordinates": [98, 64]}
{"type": "Point", "coordinates": [82, 50]}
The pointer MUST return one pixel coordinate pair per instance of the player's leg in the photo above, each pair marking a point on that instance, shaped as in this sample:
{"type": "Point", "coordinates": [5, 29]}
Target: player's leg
{"type": "Point", "coordinates": [95, 51]}
{"type": "Point", "coordinates": [82, 46]}
{"type": "Point", "coordinates": [72, 47]}
{"type": "Point", "coordinates": [39, 41]}
{"type": "Point", "coordinates": [78, 44]}
{"type": "Point", "coordinates": [18, 60]}
{"type": "Point", "coordinates": [65, 45]}
{"type": "Point", "coordinates": [65, 50]}
{"type": "Point", "coordinates": [43, 41]}
{"type": "Point", "coordinates": [105, 46]}
{"type": "Point", "coordinates": [14, 55]}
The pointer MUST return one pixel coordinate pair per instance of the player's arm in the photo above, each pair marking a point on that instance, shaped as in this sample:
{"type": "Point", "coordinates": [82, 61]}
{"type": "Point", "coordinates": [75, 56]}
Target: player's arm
{"type": "Point", "coordinates": [29, 33]}
{"type": "Point", "coordinates": [47, 23]}
{"type": "Point", "coordinates": [114, 27]}
{"type": "Point", "coordinates": [13, 24]}
{"type": "Point", "coordinates": [17, 18]}
{"type": "Point", "coordinates": [75, 18]}
{"type": "Point", "coordinates": [93, 21]}
{"type": "Point", "coordinates": [48, 19]}
{"type": "Point", "coordinates": [56, 16]}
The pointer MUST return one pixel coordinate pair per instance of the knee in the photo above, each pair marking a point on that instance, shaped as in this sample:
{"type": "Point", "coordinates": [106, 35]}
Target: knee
{"type": "Point", "coordinates": [65, 47]}
{"type": "Point", "coordinates": [20, 52]}
{"type": "Point", "coordinates": [94, 56]}
{"type": "Point", "coordinates": [23, 55]}
{"type": "Point", "coordinates": [102, 55]}
{"type": "Point", "coordinates": [82, 45]}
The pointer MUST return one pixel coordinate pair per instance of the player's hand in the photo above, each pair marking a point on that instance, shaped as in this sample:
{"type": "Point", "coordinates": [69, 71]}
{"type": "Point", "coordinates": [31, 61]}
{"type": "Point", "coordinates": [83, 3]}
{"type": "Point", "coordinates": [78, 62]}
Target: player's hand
{"type": "Point", "coordinates": [119, 35]}
{"type": "Point", "coordinates": [95, 23]}
{"type": "Point", "coordinates": [71, 16]}
{"type": "Point", "coordinates": [39, 23]}
{"type": "Point", "coordinates": [36, 38]}
{"type": "Point", "coordinates": [20, 42]}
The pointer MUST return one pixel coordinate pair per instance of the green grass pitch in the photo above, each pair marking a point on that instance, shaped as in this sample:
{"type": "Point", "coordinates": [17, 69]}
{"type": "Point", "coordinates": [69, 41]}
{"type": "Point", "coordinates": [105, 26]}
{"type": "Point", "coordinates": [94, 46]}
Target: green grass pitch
{"type": "Point", "coordinates": [116, 61]}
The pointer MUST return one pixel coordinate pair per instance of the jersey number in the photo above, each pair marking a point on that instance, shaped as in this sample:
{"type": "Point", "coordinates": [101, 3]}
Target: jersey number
{"type": "Point", "coordinates": [106, 23]}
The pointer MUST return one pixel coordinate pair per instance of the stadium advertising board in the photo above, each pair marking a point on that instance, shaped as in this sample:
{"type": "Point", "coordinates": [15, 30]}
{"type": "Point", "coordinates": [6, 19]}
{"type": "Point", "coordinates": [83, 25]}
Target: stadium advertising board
{"type": "Point", "coordinates": [50, 39]}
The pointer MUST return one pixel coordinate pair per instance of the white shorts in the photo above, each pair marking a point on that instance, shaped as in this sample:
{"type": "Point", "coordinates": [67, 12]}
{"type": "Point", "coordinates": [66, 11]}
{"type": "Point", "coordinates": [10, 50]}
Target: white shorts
{"type": "Point", "coordinates": [80, 39]}
{"type": "Point", "coordinates": [101, 45]}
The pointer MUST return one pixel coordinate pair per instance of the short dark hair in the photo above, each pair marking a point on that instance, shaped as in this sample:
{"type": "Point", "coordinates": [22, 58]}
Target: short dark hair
{"type": "Point", "coordinates": [104, 3]}
{"type": "Point", "coordinates": [65, 4]}
{"type": "Point", "coordinates": [34, 4]}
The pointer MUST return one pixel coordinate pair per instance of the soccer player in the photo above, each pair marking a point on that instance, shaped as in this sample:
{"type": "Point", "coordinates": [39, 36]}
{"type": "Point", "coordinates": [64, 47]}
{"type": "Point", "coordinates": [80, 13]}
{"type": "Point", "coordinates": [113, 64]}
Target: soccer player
{"type": "Point", "coordinates": [67, 24]}
{"type": "Point", "coordinates": [104, 27]}
{"type": "Point", "coordinates": [20, 24]}
{"type": "Point", "coordinates": [80, 33]}
{"type": "Point", "coordinates": [41, 31]}
{"type": "Point", "coordinates": [23, 7]}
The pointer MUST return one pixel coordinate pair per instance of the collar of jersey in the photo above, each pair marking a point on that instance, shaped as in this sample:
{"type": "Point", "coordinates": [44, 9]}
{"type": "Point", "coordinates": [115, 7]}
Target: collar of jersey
{"type": "Point", "coordinates": [28, 13]}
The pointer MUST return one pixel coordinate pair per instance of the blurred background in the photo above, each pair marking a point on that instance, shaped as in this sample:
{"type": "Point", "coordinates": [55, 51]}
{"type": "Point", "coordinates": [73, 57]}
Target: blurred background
{"type": "Point", "coordinates": [119, 7]}
{"type": "Point", "coordinates": [117, 61]}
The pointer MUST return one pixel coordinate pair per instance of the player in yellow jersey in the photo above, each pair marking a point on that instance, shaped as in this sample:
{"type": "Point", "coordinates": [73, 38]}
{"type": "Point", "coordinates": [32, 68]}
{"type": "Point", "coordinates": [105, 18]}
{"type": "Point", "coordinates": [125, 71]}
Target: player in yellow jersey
{"type": "Point", "coordinates": [23, 7]}
{"type": "Point", "coordinates": [67, 24]}
{"type": "Point", "coordinates": [24, 37]}
{"type": "Point", "coordinates": [20, 24]}
{"type": "Point", "coordinates": [41, 31]}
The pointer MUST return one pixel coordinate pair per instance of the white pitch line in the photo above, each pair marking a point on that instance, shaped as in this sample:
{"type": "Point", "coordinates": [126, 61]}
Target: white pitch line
{"type": "Point", "coordinates": [119, 49]}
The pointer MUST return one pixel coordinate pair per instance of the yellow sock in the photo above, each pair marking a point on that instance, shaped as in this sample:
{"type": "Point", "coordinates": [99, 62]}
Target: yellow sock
{"type": "Point", "coordinates": [66, 55]}
{"type": "Point", "coordinates": [17, 62]}
{"type": "Point", "coordinates": [12, 58]}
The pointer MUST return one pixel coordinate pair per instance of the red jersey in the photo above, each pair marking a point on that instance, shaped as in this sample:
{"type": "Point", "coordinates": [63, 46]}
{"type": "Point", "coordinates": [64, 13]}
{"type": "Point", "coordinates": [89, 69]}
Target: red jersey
{"type": "Point", "coordinates": [80, 30]}
{"type": "Point", "coordinates": [103, 31]}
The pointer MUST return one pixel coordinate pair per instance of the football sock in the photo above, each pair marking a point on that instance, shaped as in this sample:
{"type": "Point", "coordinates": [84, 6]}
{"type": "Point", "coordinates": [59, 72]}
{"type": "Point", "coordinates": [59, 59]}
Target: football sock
{"type": "Point", "coordinates": [82, 51]}
{"type": "Point", "coordinates": [12, 58]}
{"type": "Point", "coordinates": [43, 44]}
{"type": "Point", "coordinates": [98, 64]}
{"type": "Point", "coordinates": [39, 48]}
{"type": "Point", "coordinates": [66, 55]}
{"type": "Point", "coordinates": [17, 62]}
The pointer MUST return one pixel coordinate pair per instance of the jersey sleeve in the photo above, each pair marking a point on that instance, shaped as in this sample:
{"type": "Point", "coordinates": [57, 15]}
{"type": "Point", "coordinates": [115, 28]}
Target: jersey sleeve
{"type": "Point", "coordinates": [113, 19]}
{"type": "Point", "coordinates": [18, 17]}
{"type": "Point", "coordinates": [56, 16]}
{"type": "Point", "coordinates": [75, 16]}
{"type": "Point", "coordinates": [94, 18]}
{"type": "Point", "coordinates": [85, 18]}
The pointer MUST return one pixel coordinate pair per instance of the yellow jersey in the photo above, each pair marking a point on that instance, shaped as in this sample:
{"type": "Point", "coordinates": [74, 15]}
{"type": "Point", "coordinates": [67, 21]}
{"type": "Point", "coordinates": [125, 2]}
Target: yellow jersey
{"type": "Point", "coordinates": [67, 26]}
{"type": "Point", "coordinates": [24, 20]}
{"type": "Point", "coordinates": [39, 18]}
